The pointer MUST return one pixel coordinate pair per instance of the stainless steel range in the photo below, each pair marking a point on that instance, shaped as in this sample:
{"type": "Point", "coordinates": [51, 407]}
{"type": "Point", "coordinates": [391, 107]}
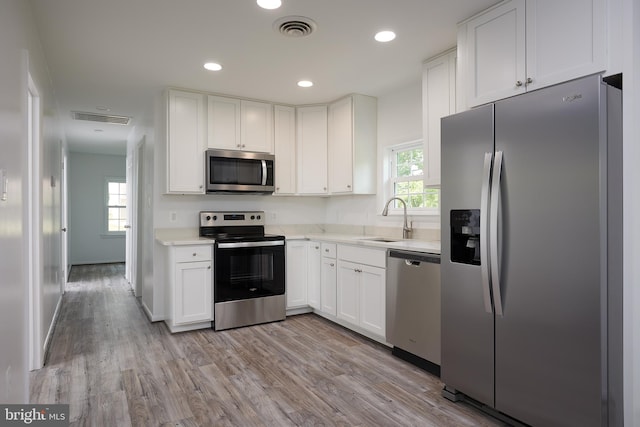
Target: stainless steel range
{"type": "Point", "coordinates": [249, 269]}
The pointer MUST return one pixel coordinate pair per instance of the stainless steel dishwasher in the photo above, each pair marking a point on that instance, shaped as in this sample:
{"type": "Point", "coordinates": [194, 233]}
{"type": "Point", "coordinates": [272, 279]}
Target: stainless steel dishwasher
{"type": "Point", "coordinates": [413, 307]}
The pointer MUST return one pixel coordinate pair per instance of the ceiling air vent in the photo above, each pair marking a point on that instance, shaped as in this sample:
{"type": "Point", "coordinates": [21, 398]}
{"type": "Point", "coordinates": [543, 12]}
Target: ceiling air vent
{"type": "Point", "coordinates": [295, 26]}
{"type": "Point", "coordinates": [101, 118]}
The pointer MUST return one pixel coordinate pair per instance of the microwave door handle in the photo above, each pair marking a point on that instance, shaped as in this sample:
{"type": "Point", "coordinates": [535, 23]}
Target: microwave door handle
{"type": "Point", "coordinates": [264, 172]}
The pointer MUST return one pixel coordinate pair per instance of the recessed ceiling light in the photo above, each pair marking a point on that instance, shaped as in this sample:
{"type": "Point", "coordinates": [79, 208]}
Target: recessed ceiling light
{"type": "Point", "coordinates": [213, 66]}
{"type": "Point", "coordinates": [269, 4]}
{"type": "Point", "coordinates": [305, 83]}
{"type": "Point", "coordinates": [98, 130]}
{"type": "Point", "coordinates": [102, 108]}
{"type": "Point", "coordinates": [385, 36]}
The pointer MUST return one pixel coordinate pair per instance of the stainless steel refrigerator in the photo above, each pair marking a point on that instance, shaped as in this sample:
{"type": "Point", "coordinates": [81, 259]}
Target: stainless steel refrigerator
{"type": "Point", "coordinates": [531, 256]}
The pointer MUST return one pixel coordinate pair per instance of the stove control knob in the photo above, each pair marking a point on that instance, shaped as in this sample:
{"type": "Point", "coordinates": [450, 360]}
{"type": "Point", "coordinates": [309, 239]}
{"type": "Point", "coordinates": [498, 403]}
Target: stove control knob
{"type": "Point", "coordinates": [253, 217]}
{"type": "Point", "coordinates": [258, 216]}
{"type": "Point", "coordinates": [208, 217]}
{"type": "Point", "coordinates": [215, 217]}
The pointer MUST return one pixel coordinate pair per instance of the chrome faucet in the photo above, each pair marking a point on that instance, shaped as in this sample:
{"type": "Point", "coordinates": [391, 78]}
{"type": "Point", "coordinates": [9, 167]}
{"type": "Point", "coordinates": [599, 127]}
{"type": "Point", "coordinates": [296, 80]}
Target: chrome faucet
{"type": "Point", "coordinates": [406, 229]}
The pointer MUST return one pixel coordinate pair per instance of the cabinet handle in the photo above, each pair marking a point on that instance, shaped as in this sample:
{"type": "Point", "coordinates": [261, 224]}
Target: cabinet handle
{"type": "Point", "coordinates": [238, 145]}
{"type": "Point", "coordinates": [195, 254]}
{"type": "Point", "coordinates": [349, 187]}
{"type": "Point", "coordinates": [529, 80]}
{"type": "Point", "coordinates": [518, 83]}
{"type": "Point", "coordinates": [331, 264]}
{"type": "Point", "coordinates": [243, 146]}
{"type": "Point", "coordinates": [208, 267]}
{"type": "Point", "coordinates": [317, 247]}
{"type": "Point", "coordinates": [326, 250]}
{"type": "Point", "coordinates": [357, 270]}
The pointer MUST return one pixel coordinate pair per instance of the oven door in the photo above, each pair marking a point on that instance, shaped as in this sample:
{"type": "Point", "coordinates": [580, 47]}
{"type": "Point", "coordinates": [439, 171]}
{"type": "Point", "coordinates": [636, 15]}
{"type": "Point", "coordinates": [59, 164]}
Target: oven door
{"type": "Point", "coordinates": [245, 270]}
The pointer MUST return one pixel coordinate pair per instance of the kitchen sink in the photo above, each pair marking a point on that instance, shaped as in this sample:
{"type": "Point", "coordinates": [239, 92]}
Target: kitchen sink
{"type": "Point", "coordinates": [379, 239]}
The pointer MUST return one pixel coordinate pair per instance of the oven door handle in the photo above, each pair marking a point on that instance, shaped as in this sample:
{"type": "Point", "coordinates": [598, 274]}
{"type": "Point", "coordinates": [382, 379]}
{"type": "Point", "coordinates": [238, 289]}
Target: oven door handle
{"type": "Point", "coordinates": [250, 244]}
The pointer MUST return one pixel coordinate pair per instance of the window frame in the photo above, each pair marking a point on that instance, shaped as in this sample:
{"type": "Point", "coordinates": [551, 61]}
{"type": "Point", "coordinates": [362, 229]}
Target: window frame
{"type": "Point", "coordinates": [105, 222]}
{"type": "Point", "coordinates": [392, 179]}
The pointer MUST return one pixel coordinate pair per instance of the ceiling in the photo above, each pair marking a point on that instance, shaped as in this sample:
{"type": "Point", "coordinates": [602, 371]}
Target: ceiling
{"type": "Point", "coordinates": [120, 54]}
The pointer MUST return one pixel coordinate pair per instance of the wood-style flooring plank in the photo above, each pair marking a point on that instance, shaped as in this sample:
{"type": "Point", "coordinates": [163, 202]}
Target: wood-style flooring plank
{"type": "Point", "coordinates": [114, 367]}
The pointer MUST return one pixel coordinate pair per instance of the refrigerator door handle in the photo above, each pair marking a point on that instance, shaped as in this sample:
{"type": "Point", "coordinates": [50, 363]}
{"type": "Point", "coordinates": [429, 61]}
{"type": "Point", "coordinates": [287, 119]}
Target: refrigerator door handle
{"type": "Point", "coordinates": [484, 232]}
{"type": "Point", "coordinates": [493, 230]}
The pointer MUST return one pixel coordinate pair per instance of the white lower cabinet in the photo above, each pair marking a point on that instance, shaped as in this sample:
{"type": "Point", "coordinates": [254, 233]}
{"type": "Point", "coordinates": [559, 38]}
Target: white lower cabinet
{"type": "Point", "coordinates": [328, 280]}
{"type": "Point", "coordinates": [190, 288]}
{"type": "Point", "coordinates": [296, 275]}
{"type": "Point", "coordinates": [314, 259]}
{"type": "Point", "coordinates": [361, 288]}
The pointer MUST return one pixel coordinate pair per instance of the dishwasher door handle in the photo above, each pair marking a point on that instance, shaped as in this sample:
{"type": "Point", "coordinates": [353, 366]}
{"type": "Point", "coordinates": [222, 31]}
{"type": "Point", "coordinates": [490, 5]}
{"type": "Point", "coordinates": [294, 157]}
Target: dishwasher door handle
{"type": "Point", "coordinates": [412, 262]}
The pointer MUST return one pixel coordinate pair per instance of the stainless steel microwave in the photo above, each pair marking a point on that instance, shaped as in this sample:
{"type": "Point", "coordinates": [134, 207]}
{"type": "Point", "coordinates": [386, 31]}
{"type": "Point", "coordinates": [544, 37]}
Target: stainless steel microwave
{"type": "Point", "coordinates": [229, 171]}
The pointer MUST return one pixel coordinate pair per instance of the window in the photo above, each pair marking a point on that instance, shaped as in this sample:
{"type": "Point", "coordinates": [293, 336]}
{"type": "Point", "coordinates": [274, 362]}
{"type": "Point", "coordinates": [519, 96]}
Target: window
{"type": "Point", "coordinates": [116, 205]}
{"type": "Point", "coordinates": [406, 179]}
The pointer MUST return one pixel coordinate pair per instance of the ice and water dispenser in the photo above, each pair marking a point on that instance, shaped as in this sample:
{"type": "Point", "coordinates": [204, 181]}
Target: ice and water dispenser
{"type": "Point", "coordinates": [465, 236]}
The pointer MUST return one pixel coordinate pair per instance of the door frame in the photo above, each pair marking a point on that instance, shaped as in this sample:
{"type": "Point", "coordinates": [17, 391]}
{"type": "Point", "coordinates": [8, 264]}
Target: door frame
{"type": "Point", "coordinates": [34, 223]}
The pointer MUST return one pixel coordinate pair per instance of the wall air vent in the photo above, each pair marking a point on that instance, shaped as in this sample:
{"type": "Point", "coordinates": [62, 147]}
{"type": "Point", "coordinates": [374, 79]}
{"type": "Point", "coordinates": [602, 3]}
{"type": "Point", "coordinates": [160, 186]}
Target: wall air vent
{"type": "Point", "coordinates": [101, 118]}
{"type": "Point", "coordinates": [295, 26]}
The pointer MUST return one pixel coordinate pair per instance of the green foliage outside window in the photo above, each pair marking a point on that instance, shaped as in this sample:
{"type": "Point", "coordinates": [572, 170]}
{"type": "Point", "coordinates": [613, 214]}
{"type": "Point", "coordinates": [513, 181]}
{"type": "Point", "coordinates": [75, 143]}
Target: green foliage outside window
{"type": "Point", "coordinates": [408, 183]}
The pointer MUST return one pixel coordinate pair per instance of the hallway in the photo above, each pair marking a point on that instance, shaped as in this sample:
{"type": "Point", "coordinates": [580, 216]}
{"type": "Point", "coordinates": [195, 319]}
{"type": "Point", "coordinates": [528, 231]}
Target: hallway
{"type": "Point", "coordinates": [115, 368]}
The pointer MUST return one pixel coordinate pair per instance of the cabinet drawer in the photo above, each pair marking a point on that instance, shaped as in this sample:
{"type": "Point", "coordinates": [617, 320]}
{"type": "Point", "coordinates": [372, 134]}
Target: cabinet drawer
{"type": "Point", "coordinates": [192, 253]}
{"type": "Point", "coordinates": [360, 255]}
{"type": "Point", "coordinates": [329, 250]}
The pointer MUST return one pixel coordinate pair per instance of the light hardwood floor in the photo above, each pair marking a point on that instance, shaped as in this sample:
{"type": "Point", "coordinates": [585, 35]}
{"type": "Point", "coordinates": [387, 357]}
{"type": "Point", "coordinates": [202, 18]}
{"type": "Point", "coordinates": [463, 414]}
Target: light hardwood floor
{"type": "Point", "coordinates": [115, 368]}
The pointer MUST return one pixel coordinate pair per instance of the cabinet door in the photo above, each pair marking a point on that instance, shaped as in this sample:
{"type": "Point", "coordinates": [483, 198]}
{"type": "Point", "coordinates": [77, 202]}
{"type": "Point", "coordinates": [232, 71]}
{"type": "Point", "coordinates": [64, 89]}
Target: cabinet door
{"type": "Point", "coordinates": [186, 142]}
{"type": "Point", "coordinates": [438, 101]}
{"type": "Point", "coordinates": [496, 53]}
{"type": "Point", "coordinates": [224, 123]}
{"type": "Point", "coordinates": [285, 149]}
{"type": "Point", "coordinates": [256, 126]}
{"type": "Point", "coordinates": [372, 299]}
{"type": "Point", "coordinates": [311, 132]}
{"type": "Point", "coordinates": [340, 143]}
{"type": "Point", "coordinates": [193, 301]}
{"type": "Point", "coordinates": [328, 288]}
{"type": "Point", "coordinates": [296, 284]}
{"type": "Point", "coordinates": [565, 40]}
{"type": "Point", "coordinates": [314, 259]}
{"type": "Point", "coordinates": [348, 295]}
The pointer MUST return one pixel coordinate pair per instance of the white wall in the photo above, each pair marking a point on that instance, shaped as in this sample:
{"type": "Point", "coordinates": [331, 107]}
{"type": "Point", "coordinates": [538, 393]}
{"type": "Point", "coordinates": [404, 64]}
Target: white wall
{"type": "Point", "coordinates": [631, 135]}
{"type": "Point", "coordinates": [399, 120]}
{"type": "Point", "coordinates": [88, 243]}
{"type": "Point", "coordinates": [21, 54]}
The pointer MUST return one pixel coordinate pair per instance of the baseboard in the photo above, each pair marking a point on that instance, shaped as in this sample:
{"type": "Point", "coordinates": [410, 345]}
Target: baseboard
{"type": "Point", "coordinates": [150, 314]}
{"type": "Point", "coordinates": [52, 328]}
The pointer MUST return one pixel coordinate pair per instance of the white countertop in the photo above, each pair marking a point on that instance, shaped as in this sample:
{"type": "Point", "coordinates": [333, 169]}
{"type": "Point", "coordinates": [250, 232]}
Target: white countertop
{"type": "Point", "coordinates": [180, 236]}
{"type": "Point", "coordinates": [187, 236]}
{"type": "Point", "coordinates": [432, 247]}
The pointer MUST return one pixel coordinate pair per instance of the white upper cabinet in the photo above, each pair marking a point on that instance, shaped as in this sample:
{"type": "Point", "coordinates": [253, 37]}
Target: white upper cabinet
{"type": "Point", "coordinates": [186, 142]}
{"type": "Point", "coordinates": [236, 124]}
{"type": "Point", "coordinates": [438, 101]}
{"type": "Point", "coordinates": [522, 45]}
{"type": "Point", "coordinates": [224, 123]}
{"type": "Point", "coordinates": [256, 126]}
{"type": "Point", "coordinates": [311, 132]}
{"type": "Point", "coordinates": [565, 39]}
{"type": "Point", "coordinates": [352, 145]}
{"type": "Point", "coordinates": [285, 149]}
